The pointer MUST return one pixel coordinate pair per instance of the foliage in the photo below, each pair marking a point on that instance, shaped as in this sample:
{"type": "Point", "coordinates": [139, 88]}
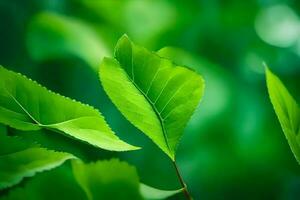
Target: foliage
{"type": "Point", "coordinates": [151, 193]}
{"type": "Point", "coordinates": [58, 183]}
{"type": "Point", "coordinates": [231, 147]}
{"type": "Point", "coordinates": [287, 111]}
{"type": "Point", "coordinates": [25, 105]}
{"type": "Point", "coordinates": [107, 179]}
{"type": "Point", "coordinates": [18, 159]}
{"type": "Point", "coordinates": [155, 95]}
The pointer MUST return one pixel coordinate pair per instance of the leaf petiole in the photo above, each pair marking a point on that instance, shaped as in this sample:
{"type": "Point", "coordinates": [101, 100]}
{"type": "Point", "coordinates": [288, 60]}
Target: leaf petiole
{"type": "Point", "coordinates": [182, 183]}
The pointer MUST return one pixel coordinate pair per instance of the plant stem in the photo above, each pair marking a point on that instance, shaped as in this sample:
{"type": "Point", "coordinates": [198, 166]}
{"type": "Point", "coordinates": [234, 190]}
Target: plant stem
{"type": "Point", "coordinates": [185, 190]}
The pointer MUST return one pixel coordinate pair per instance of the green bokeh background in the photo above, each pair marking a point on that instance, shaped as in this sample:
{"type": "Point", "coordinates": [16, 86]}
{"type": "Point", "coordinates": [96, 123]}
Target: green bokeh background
{"type": "Point", "coordinates": [233, 147]}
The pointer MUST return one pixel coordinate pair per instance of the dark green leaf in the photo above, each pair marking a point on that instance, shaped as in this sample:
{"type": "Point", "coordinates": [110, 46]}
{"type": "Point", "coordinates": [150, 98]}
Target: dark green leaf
{"type": "Point", "coordinates": [107, 180]}
{"type": "Point", "coordinates": [55, 184]}
{"type": "Point", "coordinates": [19, 159]}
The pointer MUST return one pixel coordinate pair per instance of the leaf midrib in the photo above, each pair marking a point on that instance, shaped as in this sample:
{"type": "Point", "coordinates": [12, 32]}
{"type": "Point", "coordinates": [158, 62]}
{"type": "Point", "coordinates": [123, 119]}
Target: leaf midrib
{"type": "Point", "coordinates": [49, 126]}
{"type": "Point", "coordinates": [153, 107]}
{"type": "Point", "coordinates": [161, 119]}
{"type": "Point", "coordinates": [24, 110]}
{"type": "Point", "coordinates": [36, 121]}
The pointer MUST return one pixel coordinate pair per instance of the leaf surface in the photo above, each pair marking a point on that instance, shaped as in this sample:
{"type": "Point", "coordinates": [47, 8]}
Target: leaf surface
{"type": "Point", "coordinates": [110, 179]}
{"type": "Point", "coordinates": [25, 105]}
{"type": "Point", "coordinates": [11, 144]}
{"type": "Point", "coordinates": [19, 159]}
{"type": "Point", "coordinates": [287, 111]}
{"type": "Point", "coordinates": [151, 193]}
{"type": "Point", "coordinates": [58, 183]}
{"type": "Point", "coordinates": [153, 93]}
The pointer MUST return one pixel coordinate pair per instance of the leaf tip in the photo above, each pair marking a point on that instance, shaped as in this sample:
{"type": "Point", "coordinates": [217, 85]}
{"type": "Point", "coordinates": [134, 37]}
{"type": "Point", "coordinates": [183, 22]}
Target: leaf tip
{"type": "Point", "coordinates": [265, 65]}
{"type": "Point", "coordinates": [268, 72]}
{"type": "Point", "coordinates": [124, 41]}
{"type": "Point", "coordinates": [134, 148]}
{"type": "Point", "coordinates": [124, 37]}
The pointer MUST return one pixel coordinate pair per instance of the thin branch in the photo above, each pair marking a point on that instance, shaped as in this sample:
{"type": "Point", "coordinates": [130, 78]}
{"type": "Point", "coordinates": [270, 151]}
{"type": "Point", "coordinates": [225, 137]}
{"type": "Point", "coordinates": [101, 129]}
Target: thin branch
{"type": "Point", "coordinates": [185, 190]}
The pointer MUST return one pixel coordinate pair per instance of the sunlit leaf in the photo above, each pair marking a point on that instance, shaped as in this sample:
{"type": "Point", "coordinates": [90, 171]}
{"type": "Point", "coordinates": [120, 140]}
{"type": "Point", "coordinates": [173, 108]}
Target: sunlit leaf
{"type": "Point", "coordinates": [218, 87]}
{"type": "Point", "coordinates": [287, 111]}
{"type": "Point", "coordinates": [107, 179]}
{"type": "Point", "coordinates": [25, 105]}
{"type": "Point", "coordinates": [154, 94]}
{"type": "Point", "coordinates": [53, 36]}
{"type": "Point", "coordinates": [151, 193]}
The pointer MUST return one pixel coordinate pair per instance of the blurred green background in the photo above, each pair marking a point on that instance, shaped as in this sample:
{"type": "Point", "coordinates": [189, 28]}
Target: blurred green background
{"type": "Point", "coordinates": [233, 147]}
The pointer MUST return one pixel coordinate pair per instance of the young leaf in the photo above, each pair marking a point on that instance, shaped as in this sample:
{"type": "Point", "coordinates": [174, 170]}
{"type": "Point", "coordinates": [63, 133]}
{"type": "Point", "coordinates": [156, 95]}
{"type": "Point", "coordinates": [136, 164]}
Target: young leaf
{"type": "Point", "coordinates": [154, 94]}
{"type": "Point", "coordinates": [25, 105]}
{"type": "Point", "coordinates": [107, 179]}
{"type": "Point", "coordinates": [287, 111]}
{"type": "Point", "coordinates": [19, 160]}
{"type": "Point", "coordinates": [151, 193]}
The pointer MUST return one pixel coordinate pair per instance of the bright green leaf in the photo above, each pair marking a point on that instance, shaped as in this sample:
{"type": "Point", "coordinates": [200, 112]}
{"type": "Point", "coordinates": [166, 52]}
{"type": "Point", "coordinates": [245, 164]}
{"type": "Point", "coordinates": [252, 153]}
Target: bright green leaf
{"type": "Point", "coordinates": [287, 111]}
{"type": "Point", "coordinates": [218, 93]}
{"type": "Point", "coordinates": [107, 180]}
{"type": "Point", "coordinates": [52, 35]}
{"type": "Point", "coordinates": [151, 193]}
{"type": "Point", "coordinates": [25, 105]}
{"type": "Point", "coordinates": [153, 93]}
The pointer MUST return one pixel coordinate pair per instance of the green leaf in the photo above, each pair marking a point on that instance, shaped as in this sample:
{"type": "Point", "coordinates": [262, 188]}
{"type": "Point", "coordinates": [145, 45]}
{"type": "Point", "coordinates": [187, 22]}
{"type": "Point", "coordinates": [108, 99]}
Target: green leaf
{"type": "Point", "coordinates": [53, 36]}
{"type": "Point", "coordinates": [107, 179]}
{"type": "Point", "coordinates": [219, 93]}
{"type": "Point", "coordinates": [19, 160]}
{"type": "Point", "coordinates": [151, 193]}
{"type": "Point", "coordinates": [15, 166]}
{"type": "Point", "coordinates": [25, 105]}
{"type": "Point", "coordinates": [12, 144]}
{"type": "Point", "coordinates": [58, 142]}
{"type": "Point", "coordinates": [110, 179]}
{"type": "Point", "coordinates": [58, 183]}
{"type": "Point", "coordinates": [113, 178]}
{"type": "Point", "coordinates": [287, 111]}
{"type": "Point", "coordinates": [153, 93]}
